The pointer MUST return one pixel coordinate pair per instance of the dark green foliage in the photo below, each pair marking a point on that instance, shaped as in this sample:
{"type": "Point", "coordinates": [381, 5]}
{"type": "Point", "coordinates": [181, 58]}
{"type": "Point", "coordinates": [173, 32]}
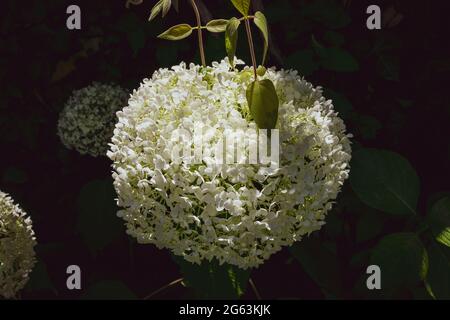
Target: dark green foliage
{"type": "Point", "coordinates": [393, 185]}
{"type": "Point", "coordinates": [108, 290]}
{"type": "Point", "coordinates": [97, 222]}
{"type": "Point", "coordinates": [402, 259]}
{"type": "Point", "coordinates": [214, 281]}
{"type": "Point", "coordinates": [390, 86]}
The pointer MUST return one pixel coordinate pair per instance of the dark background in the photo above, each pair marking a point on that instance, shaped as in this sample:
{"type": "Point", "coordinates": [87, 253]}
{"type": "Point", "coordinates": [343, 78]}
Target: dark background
{"type": "Point", "coordinates": [390, 87]}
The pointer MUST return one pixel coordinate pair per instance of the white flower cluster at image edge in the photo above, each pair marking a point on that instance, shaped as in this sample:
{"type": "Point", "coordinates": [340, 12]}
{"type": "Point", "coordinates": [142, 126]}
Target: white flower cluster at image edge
{"type": "Point", "coordinates": [237, 213]}
{"type": "Point", "coordinates": [17, 241]}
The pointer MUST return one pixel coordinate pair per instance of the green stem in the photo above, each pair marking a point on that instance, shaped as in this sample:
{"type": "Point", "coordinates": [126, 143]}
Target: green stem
{"type": "Point", "coordinates": [250, 43]}
{"type": "Point", "coordinates": [163, 288]}
{"type": "Point", "coordinates": [200, 35]}
{"type": "Point", "coordinates": [255, 290]}
{"type": "Point", "coordinates": [247, 17]}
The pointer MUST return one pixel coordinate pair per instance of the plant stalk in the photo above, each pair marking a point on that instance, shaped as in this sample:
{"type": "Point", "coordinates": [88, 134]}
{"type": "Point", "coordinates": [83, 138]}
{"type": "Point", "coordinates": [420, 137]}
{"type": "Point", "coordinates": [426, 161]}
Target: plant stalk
{"type": "Point", "coordinates": [200, 35]}
{"type": "Point", "coordinates": [252, 47]}
{"type": "Point", "coordinates": [163, 288]}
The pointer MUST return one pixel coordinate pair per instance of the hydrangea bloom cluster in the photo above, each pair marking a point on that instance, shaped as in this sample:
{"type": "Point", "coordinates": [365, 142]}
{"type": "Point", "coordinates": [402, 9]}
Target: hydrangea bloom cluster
{"type": "Point", "coordinates": [87, 121]}
{"type": "Point", "coordinates": [237, 213]}
{"type": "Point", "coordinates": [17, 242]}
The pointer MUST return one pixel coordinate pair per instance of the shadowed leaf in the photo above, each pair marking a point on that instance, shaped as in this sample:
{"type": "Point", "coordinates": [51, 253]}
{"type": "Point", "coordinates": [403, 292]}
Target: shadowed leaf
{"type": "Point", "coordinates": [384, 180]}
{"type": "Point", "coordinates": [402, 259]}
{"type": "Point", "coordinates": [213, 281]}
{"type": "Point", "coordinates": [439, 220]}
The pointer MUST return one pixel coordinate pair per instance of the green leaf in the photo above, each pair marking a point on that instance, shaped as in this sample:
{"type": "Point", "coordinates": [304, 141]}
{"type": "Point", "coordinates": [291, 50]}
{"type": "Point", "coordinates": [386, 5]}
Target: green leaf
{"type": "Point", "coordinates": [231, 35]}
{"type": "Point", "coordinates": [334, 38]}
{"type": "Point", "coordinates": [334, 58]}
{"type": "Point", "coordinates": [303, 61]}
{"type": "Point", "coordinates": [439, 220]}
{"type": "Point", "coordinates": [402, 259]}
{"type": "Point", "coordinates": [263, 103]}
{"type": "Point", "coordinates": [340, 102]}
{"type": "Point", "coordinates": [435, 197]}
{"type": "Point", "coordinates": [360, 259]}
{"type": "Point", "coordinates": [134, 29]}
{"type": "Point", "coordinates": [261, 22]}
{"type": "Point", "coordinates": [242, 5]}
{"type": "Point", "coordinates": [327, 12]}
{"type": "Point", "coordinates": [136, 40]}
{"type": "Point", "coordinates": [178, 32]}
{"type": "Point", "coordinates": [166, 7]}
{"type": "Point", "coordinates": [384, 180]}
{"type": "Point", "coordinates": [108, 290]}
{"type": "Point", "coordinates": [439, 271]}
{"type": "Point", "coordinates": [219, 25]}
{"type": "Point", "coordinates": [97, 221]}
{"type": "Point", "coordinates": [214, 281]}
{"type": "Point", "coordinates": [320, 263]}
{"type": "Point", "coordinates": [161, 5]}
{"type": "Point", "coordinates": [339, 60]}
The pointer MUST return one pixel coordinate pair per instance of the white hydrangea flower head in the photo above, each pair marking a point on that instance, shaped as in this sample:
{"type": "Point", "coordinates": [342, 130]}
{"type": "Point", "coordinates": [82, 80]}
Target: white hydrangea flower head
{"type": "Point", "coordinates": [17, 242]}
{"type": "Point", "coordinates": [87, 121]}
{"type": "Point", "coordinates": [237, 213]}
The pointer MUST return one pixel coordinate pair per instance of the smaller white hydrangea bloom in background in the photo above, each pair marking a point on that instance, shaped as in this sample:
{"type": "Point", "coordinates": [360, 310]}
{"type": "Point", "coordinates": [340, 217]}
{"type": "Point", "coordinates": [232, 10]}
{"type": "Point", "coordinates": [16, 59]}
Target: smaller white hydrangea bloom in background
{"type": "Point", "coordinates": [17, 242]}
{"type": "Point", "coordinates": [87, 121]}
{"type": "Point", "coordinates": [238, 213]}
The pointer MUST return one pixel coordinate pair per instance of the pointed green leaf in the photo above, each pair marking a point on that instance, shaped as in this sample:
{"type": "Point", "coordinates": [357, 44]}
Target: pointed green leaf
{"type": "Point", "coordinates": [261, 22]}
{"type": "Point", "coordinates": [263, 103]}
{"type": "Point", "coordinates": [219, 25]}
{"type": "Point", "coordinates": [178, 32]}
{"type": "Point", "coordinates": [242, 5]}
{"type": "Point", "coordinates": [166, 7]}
{"type": "Point", "coordinates": [439, 220]}
{"type": "Point", "coordinates": [231, 35]}
{"type": "Point", "coordinates": [156, 10]}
